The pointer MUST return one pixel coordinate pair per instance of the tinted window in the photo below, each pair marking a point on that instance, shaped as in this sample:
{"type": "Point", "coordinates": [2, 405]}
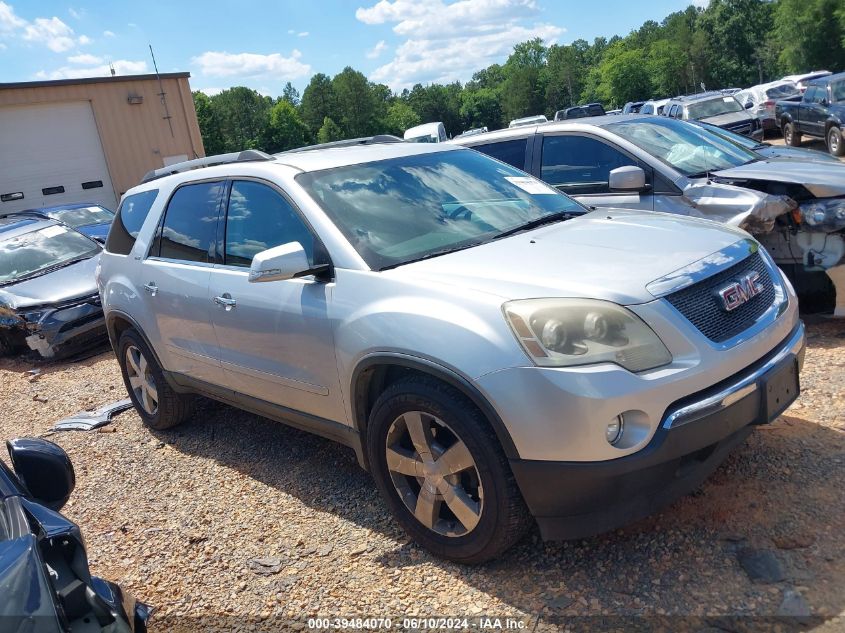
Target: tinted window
{"type": "Point", "coordinates": [837, 90]}
{"type": "Point", "coordinates": [410, 207]}
{"type": "Point", "coordinates": [579, 164]}
{"type": "Point", "coordinates": [190, 223]}
{"type": "Point", "coordinates": [128, 220]}
{"type": "Point", "coordinates": [647, 109]}
{"type": "Point", "coordinates": [510, 152]}
{"type": "Point", "coordinates": [820, 94]}
{"type": "Point", "coordinates": [260, 218]}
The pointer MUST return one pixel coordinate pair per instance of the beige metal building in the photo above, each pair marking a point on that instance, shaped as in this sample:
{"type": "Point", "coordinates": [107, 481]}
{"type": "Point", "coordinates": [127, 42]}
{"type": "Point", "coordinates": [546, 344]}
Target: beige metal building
{"type": "Point", "coordinates": [89, 140]}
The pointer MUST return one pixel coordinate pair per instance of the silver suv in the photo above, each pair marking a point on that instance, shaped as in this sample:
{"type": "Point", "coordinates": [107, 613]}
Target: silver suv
{"type": "Point", "coordinates": [489, 348]}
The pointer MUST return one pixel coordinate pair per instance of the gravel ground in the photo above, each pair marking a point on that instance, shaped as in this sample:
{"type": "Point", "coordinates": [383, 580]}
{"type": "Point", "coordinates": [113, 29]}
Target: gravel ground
{"type": "Point", "coordinates": [235, 522]}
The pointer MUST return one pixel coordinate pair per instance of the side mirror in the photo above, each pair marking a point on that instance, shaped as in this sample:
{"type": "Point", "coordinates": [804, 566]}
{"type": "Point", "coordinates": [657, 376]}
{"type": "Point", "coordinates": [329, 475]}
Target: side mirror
{"type": "Point", "coordinates": [749, 105]}
{"type": "Point", "coordinates": [281, 262]}
{"type": "Point", "coordinates": [628, 178]}
{"type": "Point", "coordinates": [44, 469]}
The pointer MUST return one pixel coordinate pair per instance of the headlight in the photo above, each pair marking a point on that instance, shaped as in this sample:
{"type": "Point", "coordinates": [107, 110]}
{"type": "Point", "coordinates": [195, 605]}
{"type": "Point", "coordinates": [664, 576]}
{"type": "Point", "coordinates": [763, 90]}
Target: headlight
{"type": "Point", "coordinates": [568, 332]}
{"type": "Point", "coordinates": [826, 213]}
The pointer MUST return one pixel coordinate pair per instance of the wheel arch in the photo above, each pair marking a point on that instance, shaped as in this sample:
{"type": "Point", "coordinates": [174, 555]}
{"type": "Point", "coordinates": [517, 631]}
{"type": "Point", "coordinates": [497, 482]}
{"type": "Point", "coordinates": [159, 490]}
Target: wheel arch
{"type": "Point", "coordinates": [374, 373]}
{"type": "Point", "coordinates": [118, 322]}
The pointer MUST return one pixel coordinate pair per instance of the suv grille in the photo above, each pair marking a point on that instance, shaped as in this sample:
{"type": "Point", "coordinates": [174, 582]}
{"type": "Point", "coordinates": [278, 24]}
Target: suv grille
{"type": "Point", "coordinates": [701, 305]}
{"type": "Point", "coordinates": [743, 128]}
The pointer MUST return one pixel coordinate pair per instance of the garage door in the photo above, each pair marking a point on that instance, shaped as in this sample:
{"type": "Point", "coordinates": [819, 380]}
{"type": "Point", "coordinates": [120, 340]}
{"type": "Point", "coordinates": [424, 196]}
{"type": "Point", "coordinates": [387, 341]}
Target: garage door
{"type": "Point", "coordinates": [51, 154]}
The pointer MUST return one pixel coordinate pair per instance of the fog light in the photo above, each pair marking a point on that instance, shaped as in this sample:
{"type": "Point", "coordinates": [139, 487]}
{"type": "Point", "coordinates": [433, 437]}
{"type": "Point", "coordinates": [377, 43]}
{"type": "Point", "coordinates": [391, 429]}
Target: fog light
{"type": "Point", "coordinates": [614, 430]}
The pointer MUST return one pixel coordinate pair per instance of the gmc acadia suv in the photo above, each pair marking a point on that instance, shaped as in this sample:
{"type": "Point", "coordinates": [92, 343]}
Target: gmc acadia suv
{"type": "Point", "coordinates": [489, 348]}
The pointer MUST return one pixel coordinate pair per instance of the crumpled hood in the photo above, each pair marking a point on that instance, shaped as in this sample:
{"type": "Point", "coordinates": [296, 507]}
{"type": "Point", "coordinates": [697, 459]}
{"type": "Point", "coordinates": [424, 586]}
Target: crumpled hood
{"type": "Point", "coordinates": [609, 254]}
{"type": "Point", "coordinates": [823, 180]}
{"type": "Point", "coordinates": [71, 282]}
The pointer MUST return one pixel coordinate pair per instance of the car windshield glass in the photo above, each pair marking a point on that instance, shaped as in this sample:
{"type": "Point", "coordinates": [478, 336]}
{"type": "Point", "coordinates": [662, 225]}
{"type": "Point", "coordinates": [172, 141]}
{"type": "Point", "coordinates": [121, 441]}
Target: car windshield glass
{"type": "Point", "coordinates": [713, 107]}
{"type": "Point", "coordinates": [30, 254]}
{"type": "Point", "coordinates": [686, 147]}
{"type": "Point", "coordinates": [422, 139]}
{"type": "Point", "coordinates": [782, 91]}
{"type": "Point", "coordinates": [733, 137]}
{"type": "Point", "coordinates": [837, 91]}
{"type": "Point", "coordinates": [403, 209]}
{"type": "Point", "coordinates": [83, 216]}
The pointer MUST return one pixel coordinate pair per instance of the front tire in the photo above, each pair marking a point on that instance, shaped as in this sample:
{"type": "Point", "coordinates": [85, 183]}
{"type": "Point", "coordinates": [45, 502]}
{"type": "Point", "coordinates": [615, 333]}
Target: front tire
{"type": "Point", "coordinates": [835, 144]}
{"type": "Point", "coordinates": [157, 404]}
{"type": "Point", "coordinates": [790, 135]}
{"type": "Point", "coordinates": [442, 472]}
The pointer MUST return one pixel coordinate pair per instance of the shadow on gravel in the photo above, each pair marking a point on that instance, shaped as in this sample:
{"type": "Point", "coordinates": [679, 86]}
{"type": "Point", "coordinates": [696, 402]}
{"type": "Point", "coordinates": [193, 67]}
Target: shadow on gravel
{"type": "Point", "coordinates": [761, 538]}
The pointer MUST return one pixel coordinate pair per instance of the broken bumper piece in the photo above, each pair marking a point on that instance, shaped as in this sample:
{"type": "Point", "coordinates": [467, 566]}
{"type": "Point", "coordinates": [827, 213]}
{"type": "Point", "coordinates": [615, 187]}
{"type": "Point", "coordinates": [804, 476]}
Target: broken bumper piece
{"type": "Point", "coordinates": [63, 331]}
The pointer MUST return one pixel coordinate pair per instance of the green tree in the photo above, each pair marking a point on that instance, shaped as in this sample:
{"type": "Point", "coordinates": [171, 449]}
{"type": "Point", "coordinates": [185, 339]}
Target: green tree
{"type": "Point", "coordinates": [480, 108]}
{"type": "Point", "coordinates": [318, 101]}
{"type": "Point", "coordinates": [356, 105]}
{"type": "Point", "coordinates": [212, 138]}
{"type": "Point", "coordinates": [329, 131]}
{"type": "Point", "coordinates": [242, 116]}
{"type": "Point", "coordinates": [810, 34]}
{"type": "Point", "coordinates": [400, 117]}
{"type": "Point", "coordinates": [564, 77]}
{"type": "Point", "coordinates": [290, 94]}
{"type": "Point", "coordinates": [624, 76]}
{"type": "Point", "coordinates": [286, 129]}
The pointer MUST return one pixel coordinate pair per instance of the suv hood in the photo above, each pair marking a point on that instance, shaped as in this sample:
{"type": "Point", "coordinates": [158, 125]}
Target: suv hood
{"type": "Point", "coordinates": [728, 118]}
{"type": "Point", "coordinates": [65, 284]}
{"type": "Point", "coordinates": [821, 179]}
{"type": "Point", "coordinates": [610, 254]}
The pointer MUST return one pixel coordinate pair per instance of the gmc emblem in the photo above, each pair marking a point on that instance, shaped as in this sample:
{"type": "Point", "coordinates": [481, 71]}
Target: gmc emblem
{"type": "Point", "coordinates": [738, 292]}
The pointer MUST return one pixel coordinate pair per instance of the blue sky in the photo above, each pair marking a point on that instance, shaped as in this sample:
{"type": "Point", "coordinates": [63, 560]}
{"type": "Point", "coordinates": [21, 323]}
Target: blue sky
{"type": "Point", "coordinates": [263, 44]}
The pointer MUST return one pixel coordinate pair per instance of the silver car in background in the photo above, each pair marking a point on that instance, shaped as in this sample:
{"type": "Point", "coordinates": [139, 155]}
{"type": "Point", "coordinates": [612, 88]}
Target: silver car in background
{"type": "Point", "coordinates": [489, 348]}
{"type": "Point", "coordinates": [760, 100]}
{"type": "Point", "coordinates": [795, 208]}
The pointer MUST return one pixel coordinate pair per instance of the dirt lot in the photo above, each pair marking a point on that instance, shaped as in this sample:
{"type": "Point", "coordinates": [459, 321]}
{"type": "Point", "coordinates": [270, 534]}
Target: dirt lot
{"type": "Point", "coordinates": [808, 142]}
{"type": "Point", "coordinates": [180, 518]}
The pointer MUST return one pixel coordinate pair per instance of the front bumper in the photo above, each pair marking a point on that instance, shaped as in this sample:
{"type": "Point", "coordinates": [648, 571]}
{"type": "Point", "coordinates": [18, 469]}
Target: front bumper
{"type": "Point", "coordinates": [578, 499]}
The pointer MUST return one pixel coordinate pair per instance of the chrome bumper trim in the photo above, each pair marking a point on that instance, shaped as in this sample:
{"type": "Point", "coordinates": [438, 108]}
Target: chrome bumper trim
{"type": "Point", "coordinates": [743, 387]}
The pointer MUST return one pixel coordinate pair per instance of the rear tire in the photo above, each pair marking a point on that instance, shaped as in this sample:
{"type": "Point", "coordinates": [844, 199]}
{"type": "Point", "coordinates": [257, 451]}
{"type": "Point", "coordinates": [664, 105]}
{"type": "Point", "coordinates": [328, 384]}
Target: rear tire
{"type": "Point", "coordinates": [157, 404]}
{"type": "Point", "coordinates": [790, 135]}
{"type": "Point", "coordinates": [434, 456]}
{"type": "Point", "coordinates": [835, 144]}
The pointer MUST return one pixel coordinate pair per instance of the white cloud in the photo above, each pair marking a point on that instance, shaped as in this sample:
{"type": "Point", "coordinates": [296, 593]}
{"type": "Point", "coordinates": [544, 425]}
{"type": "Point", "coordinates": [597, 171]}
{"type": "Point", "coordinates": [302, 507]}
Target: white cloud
{"type": "Point", "coordinates": [303, 34]}
{"type": "Point", "coordinates": [85, 58]}
{"type": "Point", "coordinates": [223, 64]}
{"type": "Point", "coordinates": [84, 39]}
{"type": "Point", "coordinates": [121, 67]}
{"type": "Point", "coordinates": [377, 50]}
{"type": "Point", "coordinates": [449, 40]}
{"type": "Point", "coordinates": [108, 34]}
{"type": "Point", "coordinates": [291, 31]}
{"type": "Point", "coordinates": [8, 20]}
{"type": "Point", "coordinates": [76, 15]}
{"type": "Point", "coordinates": [52, 32]}
{"type": "Point", "coordinates": [211, 91]}
{"type": "Point", "coordinates": [2, 46]}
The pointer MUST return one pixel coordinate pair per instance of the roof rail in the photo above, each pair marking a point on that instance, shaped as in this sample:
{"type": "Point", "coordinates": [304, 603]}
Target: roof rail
{"type": "Point", "coordinates": [364, 140]}
{"type": "Point", "coordinates": [247, 155]}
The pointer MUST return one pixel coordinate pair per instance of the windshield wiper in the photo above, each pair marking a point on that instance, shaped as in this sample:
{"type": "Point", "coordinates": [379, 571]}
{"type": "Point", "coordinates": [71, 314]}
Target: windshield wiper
{"type": "Point", "coordinates": [533, 224]}
{"type": "Point", "coordinates": [442, 251]}
{"type": "Point", "coordinates": [49, 269]}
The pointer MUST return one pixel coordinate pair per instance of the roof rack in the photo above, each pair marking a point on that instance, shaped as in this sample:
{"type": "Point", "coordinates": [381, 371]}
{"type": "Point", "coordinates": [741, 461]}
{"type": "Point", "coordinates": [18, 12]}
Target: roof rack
{"type": "Point", "coordinates": [245, 156]}
{"type": "Point", "coordinates": [364, 140]}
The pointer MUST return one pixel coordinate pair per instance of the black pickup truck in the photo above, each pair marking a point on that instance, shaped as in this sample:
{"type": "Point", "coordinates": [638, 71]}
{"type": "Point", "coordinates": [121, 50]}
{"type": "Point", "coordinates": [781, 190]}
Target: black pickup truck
{"type": "Point", "coordinates": [820, 113]}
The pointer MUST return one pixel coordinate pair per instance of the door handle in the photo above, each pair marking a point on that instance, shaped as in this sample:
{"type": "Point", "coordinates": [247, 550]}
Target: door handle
{"type": "Point", "coordinates": [226, 301]}
{"type": "Point", "coordinates": [151, 288]}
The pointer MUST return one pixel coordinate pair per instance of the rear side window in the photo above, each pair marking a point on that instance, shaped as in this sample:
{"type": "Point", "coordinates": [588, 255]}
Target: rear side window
{"type": "Point", "coordinates": [260, 218]}
{"type": "Point", "coordinates": [190, 223]}
{"type": "Point", "coordinates": [510, 152]}
{"type": "Point", "coordinates": [128, 220]}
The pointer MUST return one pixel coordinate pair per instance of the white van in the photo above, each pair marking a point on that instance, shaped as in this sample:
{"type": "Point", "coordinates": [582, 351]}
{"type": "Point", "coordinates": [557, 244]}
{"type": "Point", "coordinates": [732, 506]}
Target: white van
{"type": "Point", "coordinates": [426, 133]}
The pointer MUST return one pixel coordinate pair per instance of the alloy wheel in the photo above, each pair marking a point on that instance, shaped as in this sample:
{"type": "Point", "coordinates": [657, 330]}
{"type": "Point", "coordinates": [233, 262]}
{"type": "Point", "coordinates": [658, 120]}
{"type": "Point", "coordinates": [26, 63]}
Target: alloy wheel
{"type": "Point", "coordinates": [141, 380]}
{"type": "Point", "coordinates": [434, 474]}
{"type": "Point", "coordinates": [833, 141]}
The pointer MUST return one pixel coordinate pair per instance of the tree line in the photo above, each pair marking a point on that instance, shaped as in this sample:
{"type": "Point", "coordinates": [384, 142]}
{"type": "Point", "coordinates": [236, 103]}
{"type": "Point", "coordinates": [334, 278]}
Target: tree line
{"type": "Point", "coordinates": [730, 43]}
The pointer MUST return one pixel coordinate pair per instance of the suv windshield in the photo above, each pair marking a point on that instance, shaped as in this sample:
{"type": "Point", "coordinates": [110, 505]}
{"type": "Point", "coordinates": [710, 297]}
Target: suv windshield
{"type": "Point", "coordinates": [36, 252]}
{"type": "Point", "coordinates": [83, 216]}
{"type": "Point", "coordinates": [404, 209]}
{"type": "Point", "coordinates": [713, 107]}
{"type": "Point", "coordinates": [691, 150]}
